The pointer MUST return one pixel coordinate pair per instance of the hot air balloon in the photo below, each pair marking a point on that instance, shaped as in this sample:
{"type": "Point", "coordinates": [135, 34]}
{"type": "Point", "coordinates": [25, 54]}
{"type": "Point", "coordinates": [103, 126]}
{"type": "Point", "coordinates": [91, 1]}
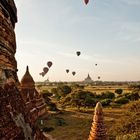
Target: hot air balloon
{"type": "Point", "coordinates": [95, 64]}
{"type": "Point", "coordinates": [49, 63]}
{"type": "Point", "coordinates": [86, 1]}
{"type": "Point", "coordinates": [67, 70]}
{"type": "Point", "coordinates": [45, 69]}
{"type": "Point", "coordinates": [99, 77]}
{"type": "Point", "coordinates": [42, 74]}
{"type": "Point", "coordinates": [73, 73]}
{"type": "Point", "coordinates": [78, 53]}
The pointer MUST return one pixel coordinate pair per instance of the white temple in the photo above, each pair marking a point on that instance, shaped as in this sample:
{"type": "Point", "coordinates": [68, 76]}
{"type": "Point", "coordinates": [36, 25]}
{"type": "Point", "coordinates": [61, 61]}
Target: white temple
{"type": "Point", "coordinates": [88, 79]}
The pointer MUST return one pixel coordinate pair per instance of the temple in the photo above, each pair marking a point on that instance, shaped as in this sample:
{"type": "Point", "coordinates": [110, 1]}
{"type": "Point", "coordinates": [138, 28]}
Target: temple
{"type": "Point", "coordinates": [98, 130]}
{"type": "Point", "coordinates": [16, 119]}
{"type": "Point", "coordinates": [32, 99]}
{"type": "Point", "coordinates": [88, 79]}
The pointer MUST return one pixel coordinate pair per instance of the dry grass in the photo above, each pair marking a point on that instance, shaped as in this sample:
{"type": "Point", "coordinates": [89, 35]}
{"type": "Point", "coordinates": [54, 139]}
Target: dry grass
{"type": "Point", "coordinates": [78, 124]}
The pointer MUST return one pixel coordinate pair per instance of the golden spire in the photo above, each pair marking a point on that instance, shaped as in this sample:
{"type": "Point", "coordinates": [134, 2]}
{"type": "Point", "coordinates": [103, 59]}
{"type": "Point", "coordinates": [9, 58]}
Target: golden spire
{"type": "Point", "coordinates": [98, 130]}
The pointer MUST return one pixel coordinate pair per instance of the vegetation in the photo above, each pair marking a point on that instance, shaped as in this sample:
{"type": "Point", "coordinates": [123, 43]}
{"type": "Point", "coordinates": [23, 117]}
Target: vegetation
{"type": "Point", "coordinates": [119, 91]}
{"type": "Point", "coordinates": [50, 105]}
{"type": "Point", "coordinates": [77, 103]}
{"type": "Point", "coordinates": [128, 126]}
{"type": "Point", "coordinates": [121, 100]}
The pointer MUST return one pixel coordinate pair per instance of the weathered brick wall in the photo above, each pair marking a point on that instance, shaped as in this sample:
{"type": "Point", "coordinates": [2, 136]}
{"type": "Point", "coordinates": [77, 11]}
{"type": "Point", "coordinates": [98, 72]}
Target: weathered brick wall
{"type": "Point", "coordinates": [10, 101]}
{"type": "Point", "coordinates": [16, 122]}
{"type": "Point", "coordinates": [8, 64]}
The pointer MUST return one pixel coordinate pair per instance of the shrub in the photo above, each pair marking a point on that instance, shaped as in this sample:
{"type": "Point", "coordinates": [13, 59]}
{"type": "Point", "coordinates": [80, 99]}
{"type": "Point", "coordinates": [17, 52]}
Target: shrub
{"type": "Point", "coordinates": [133, 136]}
{"type": "Point", "coordinates": [119, 91]}
{"type": "Point", "coordinates": [90, 102]}
{"type": "Point", "coordinates": [64, 90]}
{"type": "Point", "coordinates": [121, 100]}
{"type": "Point", "coordinates": [133, 96]}
{"type": "Point", "coordinates": [80, 98]}
{"type": "Point", "coordinates": [107, 94]}
{"type": "Point", "coordinates": [106, 102]}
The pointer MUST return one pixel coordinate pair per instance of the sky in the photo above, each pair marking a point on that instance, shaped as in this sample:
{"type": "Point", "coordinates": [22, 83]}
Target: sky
{"type": "Point", "coordinates": [107, 32]}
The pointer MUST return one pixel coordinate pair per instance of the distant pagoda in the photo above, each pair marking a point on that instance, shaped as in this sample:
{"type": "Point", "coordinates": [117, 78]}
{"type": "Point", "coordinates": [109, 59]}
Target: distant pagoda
{"type": "Point", "coordinates": [98, 130]}
{"type": "Point", "coordinates": [88, 79]}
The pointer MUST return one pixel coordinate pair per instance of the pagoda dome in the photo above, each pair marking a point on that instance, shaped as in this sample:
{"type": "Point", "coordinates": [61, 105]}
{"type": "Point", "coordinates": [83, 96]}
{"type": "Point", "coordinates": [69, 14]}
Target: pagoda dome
{"type": "Point", "coordinates": [27, 79]}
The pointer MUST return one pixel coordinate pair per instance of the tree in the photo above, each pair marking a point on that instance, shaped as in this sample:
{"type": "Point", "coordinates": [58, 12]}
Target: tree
{"type": "Point", "coordinates": [107, 95]}
{"type": "Point", "coordinates": [119, 91]}
{"type": "Point", "coordinates": [64, 90]}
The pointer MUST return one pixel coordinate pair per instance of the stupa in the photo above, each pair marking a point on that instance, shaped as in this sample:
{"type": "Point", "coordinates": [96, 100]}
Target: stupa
{"type": "Point", "coordinates": [98, 130]}
{"type": "Point", "coordinates": [33, 100]}
{"type": "Point", "coordinates": [88, 79]}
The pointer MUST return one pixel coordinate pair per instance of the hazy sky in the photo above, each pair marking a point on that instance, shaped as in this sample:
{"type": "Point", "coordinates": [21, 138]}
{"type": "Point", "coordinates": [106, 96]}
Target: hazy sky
{"type": "Point", "coordinates": [107, 32]}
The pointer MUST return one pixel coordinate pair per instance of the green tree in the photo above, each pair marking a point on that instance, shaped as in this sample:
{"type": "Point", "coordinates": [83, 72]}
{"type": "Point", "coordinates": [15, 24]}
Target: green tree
{"type": "Point", "coordinates": [64, 90]}
{"type": "Point", "coordinates": [119, 91]}
{"type": "Point", "coordinates": [107, 95]}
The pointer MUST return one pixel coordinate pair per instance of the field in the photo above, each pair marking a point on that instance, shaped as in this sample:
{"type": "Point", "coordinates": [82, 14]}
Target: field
{"type": "Point", "coordinates": [73, 124]}
{"type": "Point", "coordinates": [77, 124]}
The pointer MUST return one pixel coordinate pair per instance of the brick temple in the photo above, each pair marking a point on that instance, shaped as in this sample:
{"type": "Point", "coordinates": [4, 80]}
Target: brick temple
{"type": "Point", "coordinates": [32, 99]}
{"type": "Point", "coordinates": [17, 116]}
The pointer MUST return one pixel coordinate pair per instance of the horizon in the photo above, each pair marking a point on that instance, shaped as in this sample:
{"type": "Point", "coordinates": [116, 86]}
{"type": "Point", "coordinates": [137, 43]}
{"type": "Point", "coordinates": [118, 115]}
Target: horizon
{"type": "Point", "coordinates": [106, 32]}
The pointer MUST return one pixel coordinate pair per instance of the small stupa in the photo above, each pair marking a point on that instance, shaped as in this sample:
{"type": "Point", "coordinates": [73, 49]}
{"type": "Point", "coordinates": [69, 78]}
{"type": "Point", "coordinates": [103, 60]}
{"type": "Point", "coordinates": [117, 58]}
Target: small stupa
{"type": "Point", "coordinates": [98, 130]}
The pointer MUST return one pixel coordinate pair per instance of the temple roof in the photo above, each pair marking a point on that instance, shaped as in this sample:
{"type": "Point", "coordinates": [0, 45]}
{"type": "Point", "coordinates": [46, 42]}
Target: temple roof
{"type": "Point", "coordinates": [27, 79]}
{"type": "Point", "coordinates": [88, 79]}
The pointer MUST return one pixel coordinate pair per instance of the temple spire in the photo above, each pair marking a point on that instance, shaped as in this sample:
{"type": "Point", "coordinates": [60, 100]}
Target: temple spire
{"type": "Point", "coordinates": [27, 68]}
{"type": "Point", "coordinates": [98, 130]}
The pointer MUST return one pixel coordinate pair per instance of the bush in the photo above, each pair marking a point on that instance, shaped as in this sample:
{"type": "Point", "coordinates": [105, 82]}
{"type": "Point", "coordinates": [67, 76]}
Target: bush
{"type": "Point", "coordinates": [106, 102]}
{"type": "Point", "coordinates": [133, 96]}
{"type": "Point", "coordinates": [80, 98]}
{"type": "Point", "coordinates": [121, 100]}
{"type": "Point", "coordinates": [64, 90]}
{"type": "Point", "coordinates": [133, 136]}
{"type": "Point", "coordinates": [90, 102]}
{"type": "Point", "coordinates": [119, 91]}
{"type": "Point", "coordinates": [107, 94]}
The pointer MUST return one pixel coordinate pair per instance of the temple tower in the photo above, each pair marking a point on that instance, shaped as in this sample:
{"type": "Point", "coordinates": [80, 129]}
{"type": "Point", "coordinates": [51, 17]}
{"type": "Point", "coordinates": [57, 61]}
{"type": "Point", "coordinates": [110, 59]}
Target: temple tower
{"type": "Point", "coordinates": [98, 130]}
{"type": "Point", "coordinates": [27, 85]}
{"type": "Point", "coordinates": [33, 100]}
{"type": "Point", "coordinates": [88, 80]}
